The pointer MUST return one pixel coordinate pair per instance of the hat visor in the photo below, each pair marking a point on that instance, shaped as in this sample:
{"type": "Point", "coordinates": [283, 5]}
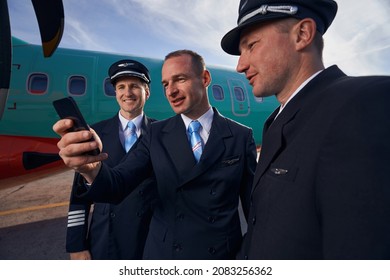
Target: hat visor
{"type": "Point", "coordinates": [129, 74]}
{"type": "Point", "coordinates": [231, 41]}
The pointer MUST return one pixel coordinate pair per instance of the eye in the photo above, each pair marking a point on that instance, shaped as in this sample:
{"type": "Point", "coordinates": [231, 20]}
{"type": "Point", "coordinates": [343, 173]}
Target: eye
{"type": "Point", "coordinates": [181, 79]}
{"type": "Point", "coordinates": [252, 45]}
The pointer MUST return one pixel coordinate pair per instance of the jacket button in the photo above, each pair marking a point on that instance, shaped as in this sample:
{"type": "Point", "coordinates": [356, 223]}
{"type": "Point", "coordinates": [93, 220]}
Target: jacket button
{"type": "Point", "coordinates": [211, 219]}
{"type": "Point", "coordinates": [246, 257]}
{"type": "Point", "coordinates": [254, 220]}
{"type": "Point", "coordinates": [212, 250]}
{"type": "Point", "coordinates": [112, 215]}
{"type": "Point", "coordinates": [177, 247]}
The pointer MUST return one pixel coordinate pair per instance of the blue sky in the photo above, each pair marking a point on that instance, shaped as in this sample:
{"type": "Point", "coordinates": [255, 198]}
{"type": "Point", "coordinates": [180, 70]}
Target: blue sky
{"type": "Point", "coordinates": [358, 40]}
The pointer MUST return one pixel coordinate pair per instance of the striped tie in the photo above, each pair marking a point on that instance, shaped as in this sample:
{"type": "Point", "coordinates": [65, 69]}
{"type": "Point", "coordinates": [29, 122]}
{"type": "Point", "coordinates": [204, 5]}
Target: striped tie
{"type": "Point", "coordinates": [130, 136]}
{"type": "Point", "coordinates": [196, 141]}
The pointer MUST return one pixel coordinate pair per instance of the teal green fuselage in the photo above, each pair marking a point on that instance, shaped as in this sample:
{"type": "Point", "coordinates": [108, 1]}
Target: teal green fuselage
{"type": "Point", "coordinates": [32, 114]}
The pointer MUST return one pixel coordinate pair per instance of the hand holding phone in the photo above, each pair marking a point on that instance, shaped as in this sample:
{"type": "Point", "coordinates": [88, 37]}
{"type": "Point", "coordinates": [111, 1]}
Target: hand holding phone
{"type": "Point", "coordinates": [67, 109]}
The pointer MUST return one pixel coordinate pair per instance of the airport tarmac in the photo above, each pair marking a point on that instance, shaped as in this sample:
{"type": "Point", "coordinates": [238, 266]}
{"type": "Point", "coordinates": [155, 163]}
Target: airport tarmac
{"type": "Point", "coordinates": [33, 218]}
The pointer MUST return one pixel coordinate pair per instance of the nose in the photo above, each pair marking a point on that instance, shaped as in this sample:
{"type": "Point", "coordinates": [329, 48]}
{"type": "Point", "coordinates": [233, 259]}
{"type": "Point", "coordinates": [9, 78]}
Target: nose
{"type": "Point", "coordinates": [127, 89]}
{"type": "Point", "coordinates": [170, 90]}
{"type": "Point", "coordinates": [130, 91]}
{"type": "Point", "coordinates": [242, 64]}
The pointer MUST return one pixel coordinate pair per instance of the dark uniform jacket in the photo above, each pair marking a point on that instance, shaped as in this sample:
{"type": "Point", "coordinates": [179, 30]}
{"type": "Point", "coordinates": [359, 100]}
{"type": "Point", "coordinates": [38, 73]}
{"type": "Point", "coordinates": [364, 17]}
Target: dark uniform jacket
{"type": "Point", "coordinates": [322, 186]}
{"type": "Point", "coordinates": [117, 231]}
{"type": "Point", "coordinates": [197, 217]}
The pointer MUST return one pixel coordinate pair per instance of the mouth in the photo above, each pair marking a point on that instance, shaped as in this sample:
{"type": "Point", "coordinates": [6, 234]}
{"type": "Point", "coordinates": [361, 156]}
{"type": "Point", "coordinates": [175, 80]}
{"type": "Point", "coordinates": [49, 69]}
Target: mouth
{"type": "Point", "coordinates": [177, 101]}
{"type": "Point", "coordinates": [250, 78]}
{"type": "Point", "coordinates": [128, 100]}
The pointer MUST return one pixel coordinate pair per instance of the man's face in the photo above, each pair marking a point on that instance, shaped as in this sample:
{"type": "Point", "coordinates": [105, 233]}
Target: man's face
{"type": "Point", "coordinates": [131, 95]}
{"type": "Point", "coordinates": [185, 90]}
{"type": "Point", "coordinates": [266, 58]}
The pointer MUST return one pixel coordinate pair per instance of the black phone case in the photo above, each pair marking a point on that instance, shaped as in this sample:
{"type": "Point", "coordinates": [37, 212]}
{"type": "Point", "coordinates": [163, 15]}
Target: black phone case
{"type": "Point", "coordinates": [67, 109]}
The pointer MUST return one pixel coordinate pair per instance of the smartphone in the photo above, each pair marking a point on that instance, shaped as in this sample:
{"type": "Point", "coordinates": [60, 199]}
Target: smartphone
{"type": "Point", "coordinates": [67, 109]}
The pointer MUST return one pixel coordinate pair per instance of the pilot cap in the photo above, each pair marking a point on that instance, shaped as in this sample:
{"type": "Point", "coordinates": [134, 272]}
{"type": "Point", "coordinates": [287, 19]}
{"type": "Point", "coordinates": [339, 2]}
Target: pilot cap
{"type": "Point", "coordinates": [255, 11]}
{"type": "Point", "coordinates": [128, 68]}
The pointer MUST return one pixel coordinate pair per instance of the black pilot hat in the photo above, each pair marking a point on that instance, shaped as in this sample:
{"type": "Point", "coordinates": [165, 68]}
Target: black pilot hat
{"type": "Point", "coordinates": [254, 11]}
{"type": "Point", "coordinates": [128, 68]}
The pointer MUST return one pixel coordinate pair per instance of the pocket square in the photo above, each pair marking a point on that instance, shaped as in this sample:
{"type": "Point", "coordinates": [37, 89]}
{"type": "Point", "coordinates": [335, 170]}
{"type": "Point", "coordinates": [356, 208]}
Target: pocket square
{"type": "Point", "coordinates": [279, 171]}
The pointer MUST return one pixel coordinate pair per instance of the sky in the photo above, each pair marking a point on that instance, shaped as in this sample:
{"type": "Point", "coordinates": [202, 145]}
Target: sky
{"type": "Point", "coordinates": [358, 41]}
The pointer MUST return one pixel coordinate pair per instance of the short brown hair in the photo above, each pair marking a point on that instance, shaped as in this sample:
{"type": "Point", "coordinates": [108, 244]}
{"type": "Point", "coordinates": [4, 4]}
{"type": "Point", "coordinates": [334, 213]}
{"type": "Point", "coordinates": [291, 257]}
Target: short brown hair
{"type": "Point", "coordinates": [197, 60]}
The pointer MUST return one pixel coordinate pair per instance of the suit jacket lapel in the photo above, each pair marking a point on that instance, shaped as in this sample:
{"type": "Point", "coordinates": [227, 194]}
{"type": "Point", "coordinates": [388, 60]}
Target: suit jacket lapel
{"type": "Point", "coordinates": [214, 147]}
{"type": "Point", "coordinates": [273, 139]}
{"type": "Point", "coordinates": [174, 138]}
{"type": "Point", "coordinates": [145, 125]}
{"type": "Point", "coordinates": [176, 142]}
{"type": "Point", "coordinates": [112, 143]}
{"type": "Point", "coordinates": [274, 129]}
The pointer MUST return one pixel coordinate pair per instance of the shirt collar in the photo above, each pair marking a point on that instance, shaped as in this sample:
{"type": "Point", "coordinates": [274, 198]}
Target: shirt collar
{"type": "Point", "coordinates": [137, 121]}
{"type": "Point", "coordinates": [298, 90]}
{"type": "Point", "coordinates": [205, 120]}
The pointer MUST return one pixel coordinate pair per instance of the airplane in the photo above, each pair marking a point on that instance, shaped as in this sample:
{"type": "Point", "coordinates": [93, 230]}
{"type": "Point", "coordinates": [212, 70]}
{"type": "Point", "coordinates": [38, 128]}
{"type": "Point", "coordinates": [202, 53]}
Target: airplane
{"type": "Point", "coordinates": [38, 77]}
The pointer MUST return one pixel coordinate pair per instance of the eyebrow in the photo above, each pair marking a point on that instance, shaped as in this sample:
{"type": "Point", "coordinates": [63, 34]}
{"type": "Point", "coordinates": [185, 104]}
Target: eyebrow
{"type": "Point", "coordinates": [175, 77]}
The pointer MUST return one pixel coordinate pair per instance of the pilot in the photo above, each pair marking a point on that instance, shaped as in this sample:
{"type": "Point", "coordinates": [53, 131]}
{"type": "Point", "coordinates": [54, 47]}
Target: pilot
{"type": "Point", "coordinates": [203, 163]}
{"type": "Point", "coordinates": [116, 231]}
{"type": "Point", "coordinates": [322, 185]}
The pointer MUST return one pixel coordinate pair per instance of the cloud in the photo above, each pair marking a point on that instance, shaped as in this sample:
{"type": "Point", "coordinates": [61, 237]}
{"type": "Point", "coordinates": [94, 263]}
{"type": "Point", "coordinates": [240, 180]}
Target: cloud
{"type": "Point", "coordinates": [358, 40]}
{"type": "Point", "coordinates": [198, 25]}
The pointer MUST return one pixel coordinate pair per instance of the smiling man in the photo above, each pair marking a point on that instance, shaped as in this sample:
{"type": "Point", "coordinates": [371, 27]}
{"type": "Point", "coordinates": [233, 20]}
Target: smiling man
{"type": "Point", "coordinates": [202, 161]}
{"type": "Point", "coordinates": [117, 231]}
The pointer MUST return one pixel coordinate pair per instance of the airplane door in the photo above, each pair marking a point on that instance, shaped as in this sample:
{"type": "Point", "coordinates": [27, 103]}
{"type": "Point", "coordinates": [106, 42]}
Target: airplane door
{"type": "Point", "coordinates": [239, 98]}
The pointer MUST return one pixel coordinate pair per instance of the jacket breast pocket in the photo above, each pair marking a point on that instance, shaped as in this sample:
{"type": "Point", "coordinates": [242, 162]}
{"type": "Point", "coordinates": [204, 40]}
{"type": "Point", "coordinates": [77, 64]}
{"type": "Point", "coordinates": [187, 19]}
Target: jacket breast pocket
{"type": "Point", "coordinates": [282, 172]}
{"type": "Point", "coordinates": [229, 161]}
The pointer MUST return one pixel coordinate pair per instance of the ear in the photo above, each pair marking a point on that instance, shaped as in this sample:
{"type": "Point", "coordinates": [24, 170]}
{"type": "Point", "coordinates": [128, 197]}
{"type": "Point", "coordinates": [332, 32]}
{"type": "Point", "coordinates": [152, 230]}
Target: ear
{"type": "Point", "coordinates": [147, 92]}
{"type": "Point", "coordinates": [206, 78]}
{"type": "Point", "coordinates": [305, 31]}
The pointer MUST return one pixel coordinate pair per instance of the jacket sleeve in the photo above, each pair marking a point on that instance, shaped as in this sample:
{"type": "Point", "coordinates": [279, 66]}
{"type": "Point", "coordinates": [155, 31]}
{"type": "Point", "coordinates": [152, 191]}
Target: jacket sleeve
{"type": "Point", "coordinates": [77, 227]}
{"type": "Point", "coordinates": [353, 182]}
{"type": "Point", "coordinates": [247, 179]}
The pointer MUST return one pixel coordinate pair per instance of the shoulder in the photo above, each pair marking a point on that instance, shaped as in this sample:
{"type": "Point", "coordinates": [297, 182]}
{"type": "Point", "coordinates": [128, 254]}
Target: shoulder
{"type": "Point", "coordinates": [166, 122]}
{"type": "Point", "coordinates": [361, 84]}
{"type": "Point", "coordinates": [99, 126]}
{"type": "Point", "coordinates": [150, 119]}
{"type": "Point", "coordinates": [232, 124]}
{"type": "Point", "coordinates": [342, 92]}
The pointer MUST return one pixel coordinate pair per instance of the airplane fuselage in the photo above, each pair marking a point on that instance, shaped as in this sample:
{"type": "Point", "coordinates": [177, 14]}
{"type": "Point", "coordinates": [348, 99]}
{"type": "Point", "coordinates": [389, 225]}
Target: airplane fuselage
{"type": "Point", "coordinates": [26, 136]}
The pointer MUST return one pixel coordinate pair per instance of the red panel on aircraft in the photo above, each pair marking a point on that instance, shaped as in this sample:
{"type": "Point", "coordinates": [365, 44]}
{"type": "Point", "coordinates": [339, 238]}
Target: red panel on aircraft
{"type": "Point", "coordinates": [20, 155]}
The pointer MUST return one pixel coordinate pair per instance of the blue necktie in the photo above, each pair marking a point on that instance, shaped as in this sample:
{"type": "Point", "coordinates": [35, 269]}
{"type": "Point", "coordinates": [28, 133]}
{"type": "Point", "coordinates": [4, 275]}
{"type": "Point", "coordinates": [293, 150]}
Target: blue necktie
{"type": "Point", "coordinates": [130, 136]}
{"type": "Point", "coordinates": [196, 141]}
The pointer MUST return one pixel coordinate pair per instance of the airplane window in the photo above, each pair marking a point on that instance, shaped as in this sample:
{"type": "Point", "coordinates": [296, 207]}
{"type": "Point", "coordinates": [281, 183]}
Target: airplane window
{"type": "Point", "coordinates": [77, 85]}
{"type": "Point", "coordinates": [37, 83]}
{"type": "Point", "coordinates": [218, 93]}
{"type": "Point", "coordinates": [108, 88]}
{"type": "Point", "coordinates": [239, 94]}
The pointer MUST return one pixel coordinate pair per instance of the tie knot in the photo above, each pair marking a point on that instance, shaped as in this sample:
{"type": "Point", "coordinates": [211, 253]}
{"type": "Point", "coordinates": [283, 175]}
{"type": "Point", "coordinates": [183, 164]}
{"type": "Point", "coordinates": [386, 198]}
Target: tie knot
{"type": "Point", "coordinates": [131, 126]}
{"type": "Point", "coordinates": [194, 126]}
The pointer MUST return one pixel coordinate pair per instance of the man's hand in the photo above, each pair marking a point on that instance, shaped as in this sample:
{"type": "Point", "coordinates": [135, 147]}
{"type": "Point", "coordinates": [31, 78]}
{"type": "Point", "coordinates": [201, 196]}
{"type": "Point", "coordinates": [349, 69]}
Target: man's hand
{"type": "Point", "coordinates": [73, 147]}
{"type": "Point", "coordinates": [83, 255]}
